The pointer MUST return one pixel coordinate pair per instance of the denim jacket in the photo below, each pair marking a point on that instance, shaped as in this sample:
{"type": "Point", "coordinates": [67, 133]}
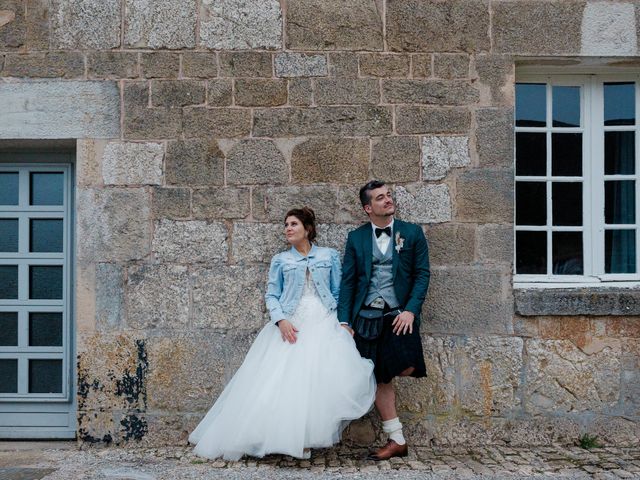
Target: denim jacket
{"type": "Point", "coordinates": [287, 277]}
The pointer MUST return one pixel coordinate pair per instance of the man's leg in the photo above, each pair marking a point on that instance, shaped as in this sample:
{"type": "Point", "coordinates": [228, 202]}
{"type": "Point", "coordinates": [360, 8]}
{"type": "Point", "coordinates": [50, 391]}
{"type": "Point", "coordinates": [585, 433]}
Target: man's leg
{"type": "Point", "coordinates": [386, 405]}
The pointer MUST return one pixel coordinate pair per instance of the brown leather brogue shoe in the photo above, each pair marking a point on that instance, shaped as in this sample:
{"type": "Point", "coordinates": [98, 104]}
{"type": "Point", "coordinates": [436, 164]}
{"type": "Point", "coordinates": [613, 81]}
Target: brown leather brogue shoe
{"type": "Point", "coordinates": [391, 449]}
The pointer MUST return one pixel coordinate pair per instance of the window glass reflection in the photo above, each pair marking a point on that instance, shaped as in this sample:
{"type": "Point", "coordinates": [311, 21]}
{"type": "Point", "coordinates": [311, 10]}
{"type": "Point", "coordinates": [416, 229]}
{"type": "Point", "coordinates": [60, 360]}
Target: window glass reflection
{"type": "Point", "coordinates": [531, 105]}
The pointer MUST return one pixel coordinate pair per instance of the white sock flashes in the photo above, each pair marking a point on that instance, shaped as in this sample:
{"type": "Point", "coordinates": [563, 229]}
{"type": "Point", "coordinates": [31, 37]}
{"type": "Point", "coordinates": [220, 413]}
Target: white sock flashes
{"type": "Point", "coordinates": [393, 427]}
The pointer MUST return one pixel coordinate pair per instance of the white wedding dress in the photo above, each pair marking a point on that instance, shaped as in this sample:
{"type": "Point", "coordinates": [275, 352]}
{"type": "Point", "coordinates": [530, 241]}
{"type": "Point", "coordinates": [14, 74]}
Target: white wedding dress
{"type": "Point", "coordinates": [288, 397]}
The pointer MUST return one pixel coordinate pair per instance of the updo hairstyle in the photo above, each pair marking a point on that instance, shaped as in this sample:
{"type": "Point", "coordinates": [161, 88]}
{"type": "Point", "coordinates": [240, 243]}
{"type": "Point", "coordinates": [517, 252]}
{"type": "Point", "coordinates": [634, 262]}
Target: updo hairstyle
{"type": "Point", "coordinates": [308, 219]}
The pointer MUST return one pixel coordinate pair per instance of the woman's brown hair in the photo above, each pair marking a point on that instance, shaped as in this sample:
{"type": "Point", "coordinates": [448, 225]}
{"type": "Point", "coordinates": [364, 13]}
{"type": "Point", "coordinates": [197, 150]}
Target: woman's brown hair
{"type": "Point", "coordinates": [308, 219]}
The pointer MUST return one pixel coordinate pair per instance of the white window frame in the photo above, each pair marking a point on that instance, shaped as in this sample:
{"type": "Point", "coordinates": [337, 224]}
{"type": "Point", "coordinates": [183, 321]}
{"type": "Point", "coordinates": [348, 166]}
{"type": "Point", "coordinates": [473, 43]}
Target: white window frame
{"type": "Point", "coordinates": [592, 127]}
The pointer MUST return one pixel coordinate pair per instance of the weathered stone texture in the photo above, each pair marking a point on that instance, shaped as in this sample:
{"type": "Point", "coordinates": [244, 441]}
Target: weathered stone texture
{"type": "Point", "coordinates": [429, 92]}
{"type": "Point", "coordinates": [490, 370]}
{"type": "Point", "coordinates": [160, 65]}
{"type": "Point", "coordinates": [300, 92]}
{"type": "Point", "coordinates": [578, 301]}
{"type": "Point", "coordinates": [321, 25]}
{"type": "Point", "coordinates": [485, 196]}
{"type": "Point", "coordinates": [291, 64]}
{"type": "Point", "coordinates": [85, 24]}
{"type": "Point", "coordinates": [424, 203]}
{"type": "Point", "coordinates": [421, 65]}
{"type": "Point", "coordinates": [451, 65]}
{"type": "Point", "coordinates": [609, 29]}
{"type": "Point", "coordinates": [339, 160]}
{"type": "Point", "coordinates": [272, 203]}
{"type": "Point", "coordinates": [343, 121]}
{"type": "Point", "coordinates": [436, 26]}
{"type": "Point", "coordinates": [246, 64]}
{"type": "Point", "coordinates": [171, 202]}
{"type": "Point", "coordinates": [152, 123]}
{"type": "Point", "coordinates": [194, 162]}
{"type": "Point", "coordinates": [177, 93]}
{"type": "Point", "coordinates": [240, 24]}
{"type": "Point", "coordinates": [416, 119]}
{"type": "Point", "coordinates": [396, 159]}
{"type": "Point", "coordinates": [334, 235]}
{"type": "Point", "coordinates": [496, 74]}
{"type": "Point", "coordinates": [13, 26]}
{"type": "Point", "coordinates": [219, 93]}
{"type": "Point", "coordinates": [384, 65]}
{"type": "Point", "coordinates": [560, 377]}
{"type": "Point", "coordinates": [256, 162]}
{"type": "Point", "coordinates": [135, 94]}
{"type": "Point", "coordinates": [216, 122]}
{"type": "Point", "coordinates": [495, 243]}
{"type": "Point", "coordinates": [258, 242]}
{"type": "Point", "coordinates": [349, 207]}
{"type": "Point", "coordinates": [481, 304]}
{"type": "Point", "coordinates": [441, 153]}
{"type": "Point", "coordinates": [190, 241]}
{"type": "Point", "coordinates": [630, 379]}
{"type": "Point", "coordinates": [330, 91]}
{"type": "Point", "coordinates": [109, 282]}
{"type": "Point", "coordinates": [199, 64]}
{"type": "Point", "coordinates": [157, 296]}
{"type": "Point", "coordinates": [533, 27]}
{"type": "Point", "coordinates": [44, 65]}
{"type": "Point", "coordinates": [221, 203]}
{"type": "Point", "coordinates": [494, 137]}
{"type": "Point", "coordinates": [260, 92]}
{"type": "Point", "coordinates": [343, 64]}
{"type": "Point", "coordinates": [114, 224]}
{"type": "Point", "coordinates": [160, 24]}
{"type": "Point", "coordinates": [223, 304]}
{"type": "Point", "coordinates": [127, 163]}
{"type": "Point", "coordinates": [451, 244]}
{"type": "Point", "coordinates": [112, 64]}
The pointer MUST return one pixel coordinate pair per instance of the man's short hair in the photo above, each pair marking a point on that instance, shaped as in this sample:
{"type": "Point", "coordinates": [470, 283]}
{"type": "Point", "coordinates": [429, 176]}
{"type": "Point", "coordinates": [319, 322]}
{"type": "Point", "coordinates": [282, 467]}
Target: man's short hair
{"type": "Point", "coordinates": [365, 196]}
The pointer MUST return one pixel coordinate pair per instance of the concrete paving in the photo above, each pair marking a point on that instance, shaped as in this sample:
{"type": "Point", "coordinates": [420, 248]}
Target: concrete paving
{"type": "Point", "coordinates": [68, 461]}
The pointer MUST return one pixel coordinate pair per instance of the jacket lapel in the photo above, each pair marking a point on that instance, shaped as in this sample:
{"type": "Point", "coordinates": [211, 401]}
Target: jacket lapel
{"type": "Point", "coordinates": [397, 230]}
{"type": "Point", "coordinates": [367, 248]}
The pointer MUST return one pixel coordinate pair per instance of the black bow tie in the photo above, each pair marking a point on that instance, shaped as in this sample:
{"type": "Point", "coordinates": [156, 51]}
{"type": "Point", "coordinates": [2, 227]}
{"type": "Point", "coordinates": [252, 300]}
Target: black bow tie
{"type": "Point", "coordinates": [386, 230]}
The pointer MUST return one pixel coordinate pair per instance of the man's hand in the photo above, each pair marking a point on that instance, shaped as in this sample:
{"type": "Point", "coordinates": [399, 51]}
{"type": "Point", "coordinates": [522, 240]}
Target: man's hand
{"type": "Point", "coordinates": [403, 323]}
{"type": "Point", "coordinates": [347, 328]}
{"type": "Point", "coordinates": [287, 331]}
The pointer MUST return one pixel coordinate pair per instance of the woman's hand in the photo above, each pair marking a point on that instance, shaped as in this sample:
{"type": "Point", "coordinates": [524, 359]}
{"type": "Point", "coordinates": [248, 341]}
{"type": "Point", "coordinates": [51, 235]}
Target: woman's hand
{"type": "Point", "coordinates": [287, 331]}
{"type": "Point", "coordinates": [347, 328]}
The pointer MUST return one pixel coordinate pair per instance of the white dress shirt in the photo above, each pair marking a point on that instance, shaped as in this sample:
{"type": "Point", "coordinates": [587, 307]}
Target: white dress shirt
{"type": "Point", "coordinates": [383, 240]}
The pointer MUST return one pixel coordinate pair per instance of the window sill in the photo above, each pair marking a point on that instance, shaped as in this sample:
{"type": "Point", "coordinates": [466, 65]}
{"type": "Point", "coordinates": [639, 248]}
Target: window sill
{"type": "Point", "coordinates": [585, 300]}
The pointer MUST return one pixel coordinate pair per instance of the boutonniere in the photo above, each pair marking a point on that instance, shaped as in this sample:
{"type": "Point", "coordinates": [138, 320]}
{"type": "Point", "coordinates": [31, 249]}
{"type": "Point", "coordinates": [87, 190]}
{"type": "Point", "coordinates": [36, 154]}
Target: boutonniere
{"type": "Point", "coordinates": [399, 242]}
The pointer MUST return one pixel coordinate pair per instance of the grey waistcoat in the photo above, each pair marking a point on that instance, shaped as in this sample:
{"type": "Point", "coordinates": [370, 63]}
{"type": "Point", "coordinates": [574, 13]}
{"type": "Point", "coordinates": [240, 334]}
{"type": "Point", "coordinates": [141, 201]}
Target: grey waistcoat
{"type": "Point", "coordinates": [381, 283]}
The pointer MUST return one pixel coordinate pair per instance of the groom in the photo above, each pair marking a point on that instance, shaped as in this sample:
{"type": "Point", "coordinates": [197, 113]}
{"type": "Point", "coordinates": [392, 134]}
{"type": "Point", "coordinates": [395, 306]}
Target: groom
{"type": "Point", "coordinates": [385, 276]}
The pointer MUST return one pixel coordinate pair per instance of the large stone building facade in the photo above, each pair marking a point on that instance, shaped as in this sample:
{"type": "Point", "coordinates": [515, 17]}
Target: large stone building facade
{"type": "Point", "coordinates": [193, 125]}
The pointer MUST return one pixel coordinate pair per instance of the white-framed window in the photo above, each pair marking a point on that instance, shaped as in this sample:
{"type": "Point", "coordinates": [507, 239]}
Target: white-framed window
{"type": "Point", "coordinates": [576, 174]}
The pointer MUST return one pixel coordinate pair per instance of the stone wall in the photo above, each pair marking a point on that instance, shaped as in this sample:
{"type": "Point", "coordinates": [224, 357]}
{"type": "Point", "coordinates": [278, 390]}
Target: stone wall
{"type": "Point", "coordinates": [230, 112]}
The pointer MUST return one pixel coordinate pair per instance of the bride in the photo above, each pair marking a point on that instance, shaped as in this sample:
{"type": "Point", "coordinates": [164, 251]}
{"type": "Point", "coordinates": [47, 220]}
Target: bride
{"type": "Point", "coordinates": [303, 379]}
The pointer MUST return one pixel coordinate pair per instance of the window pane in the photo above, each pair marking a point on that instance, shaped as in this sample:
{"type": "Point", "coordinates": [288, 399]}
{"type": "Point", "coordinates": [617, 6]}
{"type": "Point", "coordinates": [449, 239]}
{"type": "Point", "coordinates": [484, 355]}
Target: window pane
{"type": "Point", "coordinates": [566, 106]}
{"type": "Point", "coordinates": [531, 203]}
{"type": "Point", "coordinates": [619, 202]}
{"type": "Point", "coordinates": [619, 153]}
{"type": "Point", "coordinates": [567, 253]}
{"type": "Point", "coordinates": [531, 252]}
{"type": "Point", "coordinates": [619, 103]}
{"type": "Point", "coordinates": [47, 188]}
{"type": "Point", "coordinates": [566, 198]}
{"type": "Point", "coordinates": [45, 282]}
{"type": "Point", "coordinates": [45, 376]}
{"type": "Point", "coordinates": [9, 188]}
{"type": "Point", "coordinates": [46, 235]}
{"type": "Point", "coordinates": [9, 282]}
{"type": "Point", "coordinates": [531, 153]}
{"type": "Point", "coordinates": [8, 329]}
{"type": "Point", "coordinates": [8, 234]}
{"type": "Point", "coordinates": [8, 376]}
{"type": "Point", "coordinates": [566, 154]}
{"type": "Point", "coordinates": [531, 106]}
{"type": "Point", "coordinates": [45, 329]}
{"type": "Point", "coordinates": [620, 251]}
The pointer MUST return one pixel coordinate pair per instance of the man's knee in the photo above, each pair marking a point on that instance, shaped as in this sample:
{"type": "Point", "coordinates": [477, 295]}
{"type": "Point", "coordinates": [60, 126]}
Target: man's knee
{"type": "Point", "coordinates": [407, 372]}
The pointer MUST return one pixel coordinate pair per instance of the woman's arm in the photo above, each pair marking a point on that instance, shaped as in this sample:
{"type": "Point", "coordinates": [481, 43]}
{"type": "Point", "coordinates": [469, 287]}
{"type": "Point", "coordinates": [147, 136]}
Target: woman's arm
{"type": "Point", "coordinates": [336, 274]}
{"type": "Point", "coordinates": [274, 290]}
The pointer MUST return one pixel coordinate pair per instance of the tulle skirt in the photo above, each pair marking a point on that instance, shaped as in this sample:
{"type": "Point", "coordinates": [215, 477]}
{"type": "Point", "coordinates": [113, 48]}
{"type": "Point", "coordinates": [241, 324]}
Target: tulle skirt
{"type": "Point", "coordinates": [288, 397]}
